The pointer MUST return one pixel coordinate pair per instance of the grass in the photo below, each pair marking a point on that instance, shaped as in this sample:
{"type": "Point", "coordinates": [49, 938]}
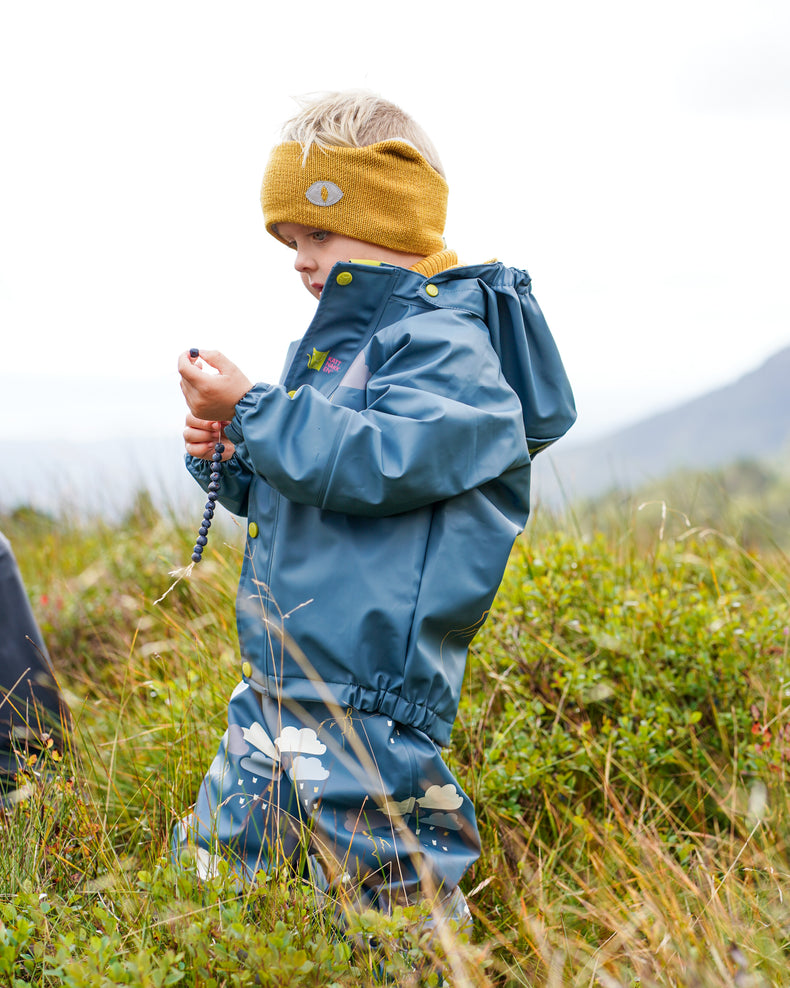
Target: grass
{"type": "Point", "coordinates": [624, 732]}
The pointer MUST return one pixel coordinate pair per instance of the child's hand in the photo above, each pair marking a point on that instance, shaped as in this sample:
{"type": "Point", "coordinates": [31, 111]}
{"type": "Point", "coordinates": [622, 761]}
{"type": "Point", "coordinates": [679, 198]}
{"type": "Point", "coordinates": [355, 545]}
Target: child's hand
{"type": "Point", "coordinates": [211, 397]}
{"type": "Point", "coordinates": [200, 437]}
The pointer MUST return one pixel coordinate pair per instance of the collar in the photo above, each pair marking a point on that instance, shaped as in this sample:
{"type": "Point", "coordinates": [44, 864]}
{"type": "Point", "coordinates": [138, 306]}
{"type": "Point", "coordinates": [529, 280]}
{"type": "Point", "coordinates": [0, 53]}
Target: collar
{"type": "Point", "coordinates": [435, 263]}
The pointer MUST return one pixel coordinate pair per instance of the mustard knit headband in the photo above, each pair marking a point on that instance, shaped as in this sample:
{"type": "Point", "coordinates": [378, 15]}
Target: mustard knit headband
{"type": "Point", "coordinates": [385, 194]}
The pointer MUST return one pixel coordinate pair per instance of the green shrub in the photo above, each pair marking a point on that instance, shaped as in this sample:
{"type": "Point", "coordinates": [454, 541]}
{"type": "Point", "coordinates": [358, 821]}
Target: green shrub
{"type": "Point", "coordinates": [624, 731]}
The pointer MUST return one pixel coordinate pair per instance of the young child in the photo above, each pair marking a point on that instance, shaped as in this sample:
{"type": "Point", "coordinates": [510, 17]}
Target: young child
{"type": "Point", "coordinates": [384, 481]}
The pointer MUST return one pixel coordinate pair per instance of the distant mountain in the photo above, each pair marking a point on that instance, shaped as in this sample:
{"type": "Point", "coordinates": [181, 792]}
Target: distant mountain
{"type": "Point", "coordinates": [748, 419]}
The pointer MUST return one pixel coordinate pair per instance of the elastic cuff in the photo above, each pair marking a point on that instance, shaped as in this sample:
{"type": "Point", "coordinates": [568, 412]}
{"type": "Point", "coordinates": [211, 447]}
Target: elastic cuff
{"type": "Point", "coordinates": [234, 431]}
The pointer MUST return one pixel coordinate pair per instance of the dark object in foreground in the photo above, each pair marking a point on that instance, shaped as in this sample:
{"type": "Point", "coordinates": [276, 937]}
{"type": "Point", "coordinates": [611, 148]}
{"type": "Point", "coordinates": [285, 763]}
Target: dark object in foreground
{"type": "Point", "coordinates": [31, 708]}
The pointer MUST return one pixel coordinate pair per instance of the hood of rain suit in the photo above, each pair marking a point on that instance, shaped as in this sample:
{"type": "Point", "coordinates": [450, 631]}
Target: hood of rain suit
{"type": "Point", "coordinates": [384, 481]}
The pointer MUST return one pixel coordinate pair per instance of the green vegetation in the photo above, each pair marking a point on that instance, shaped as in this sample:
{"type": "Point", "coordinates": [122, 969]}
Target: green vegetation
{"type": "Point", "coordinates": [624, 732]}
{"type": "Point", "coordinates": [749, 500]}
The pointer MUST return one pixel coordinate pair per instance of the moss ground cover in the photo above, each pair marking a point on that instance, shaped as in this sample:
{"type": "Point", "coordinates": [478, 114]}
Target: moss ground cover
{"type": "Point", "coordinates": [624, 732]}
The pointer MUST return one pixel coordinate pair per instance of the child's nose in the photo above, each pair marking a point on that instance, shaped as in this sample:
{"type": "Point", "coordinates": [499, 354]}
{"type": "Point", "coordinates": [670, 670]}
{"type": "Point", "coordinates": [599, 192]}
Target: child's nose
{"type": "Point", "coordinates": [304, 261]}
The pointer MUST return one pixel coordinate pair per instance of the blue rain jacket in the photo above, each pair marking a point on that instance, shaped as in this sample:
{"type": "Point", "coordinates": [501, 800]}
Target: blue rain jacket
{"type": "Point", "coordinates": [384, 481]}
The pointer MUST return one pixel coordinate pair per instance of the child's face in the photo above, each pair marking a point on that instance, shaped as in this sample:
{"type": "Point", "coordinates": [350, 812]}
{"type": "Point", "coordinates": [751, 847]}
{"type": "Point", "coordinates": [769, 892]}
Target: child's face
{"type": "Point", "coordinates": [317, 251]}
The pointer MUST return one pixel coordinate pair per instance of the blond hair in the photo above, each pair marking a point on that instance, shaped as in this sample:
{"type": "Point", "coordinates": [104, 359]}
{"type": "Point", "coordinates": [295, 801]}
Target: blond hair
{"type": "Point", "coordinates": [355, 118]}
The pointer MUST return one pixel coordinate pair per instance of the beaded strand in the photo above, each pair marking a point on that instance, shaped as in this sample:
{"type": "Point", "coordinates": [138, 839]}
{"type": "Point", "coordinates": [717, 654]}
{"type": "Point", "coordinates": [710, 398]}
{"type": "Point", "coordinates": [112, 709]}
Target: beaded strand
{"type": "Point", "coordinates": [213, 494]}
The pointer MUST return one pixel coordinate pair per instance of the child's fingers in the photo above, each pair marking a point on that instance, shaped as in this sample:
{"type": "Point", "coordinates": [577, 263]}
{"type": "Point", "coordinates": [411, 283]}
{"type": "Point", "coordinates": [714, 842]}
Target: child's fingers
{"type": "Point", "coordinates": [193, 362]}
{"type": "Point", "coordinates": [198, 437]}
{"type": "Point", "coordinates": [201, 451]}
{"type": "Point", "coordinates": [186, 365]}
{"type": "Point", "coordinates": [193, 422]}
{"type": "Point", "coordinates": [201, 435]}
{"type": "Point", "coordinates": [205, 451]}
{"type": "Point", "coordinates": [216, 359]}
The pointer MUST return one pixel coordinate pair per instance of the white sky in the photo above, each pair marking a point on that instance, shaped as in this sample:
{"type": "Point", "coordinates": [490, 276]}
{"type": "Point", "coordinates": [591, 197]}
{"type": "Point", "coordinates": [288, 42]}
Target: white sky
{"type": "Point", "coordinates": [632, 156]}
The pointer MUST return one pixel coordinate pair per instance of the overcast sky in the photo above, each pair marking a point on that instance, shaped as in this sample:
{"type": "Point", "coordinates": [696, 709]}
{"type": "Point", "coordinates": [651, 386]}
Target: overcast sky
{"type": "Point", "coordinates": [632, 156]}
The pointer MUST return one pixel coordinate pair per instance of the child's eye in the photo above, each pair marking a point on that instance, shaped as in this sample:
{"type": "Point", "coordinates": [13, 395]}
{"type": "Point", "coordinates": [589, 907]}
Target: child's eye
{"type": "Point", "coordinates": [320, 236]}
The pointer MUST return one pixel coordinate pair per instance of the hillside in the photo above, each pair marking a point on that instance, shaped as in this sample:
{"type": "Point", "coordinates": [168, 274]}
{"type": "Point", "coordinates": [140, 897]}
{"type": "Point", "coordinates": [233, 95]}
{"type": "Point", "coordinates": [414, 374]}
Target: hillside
{"type": "Point", "coordinates": [746, 420]}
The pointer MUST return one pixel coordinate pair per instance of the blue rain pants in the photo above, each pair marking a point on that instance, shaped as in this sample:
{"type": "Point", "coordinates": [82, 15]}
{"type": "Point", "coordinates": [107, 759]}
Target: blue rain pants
{"type": "Point", "coordinates": [364, 806]}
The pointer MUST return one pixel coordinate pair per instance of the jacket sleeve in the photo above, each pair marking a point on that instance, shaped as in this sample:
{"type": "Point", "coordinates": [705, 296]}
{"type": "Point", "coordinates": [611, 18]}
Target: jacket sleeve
{"type": "Point", "coordinates": [235, 483]}
{"type": "Point", "coordinates": [440, 420]}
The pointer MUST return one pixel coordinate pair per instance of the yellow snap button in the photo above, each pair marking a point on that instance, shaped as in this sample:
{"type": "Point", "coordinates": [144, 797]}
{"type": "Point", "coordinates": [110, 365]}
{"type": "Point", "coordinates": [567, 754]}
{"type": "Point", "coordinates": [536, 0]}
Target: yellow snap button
{"type": "Point", "coordinates": [246, 668]}
{"type": "Point", "coordinates": [345, 278]}
{"type": "Point", "coordinates": [431, 290]}
{"type": "Point", "coordinates": [253, 530]}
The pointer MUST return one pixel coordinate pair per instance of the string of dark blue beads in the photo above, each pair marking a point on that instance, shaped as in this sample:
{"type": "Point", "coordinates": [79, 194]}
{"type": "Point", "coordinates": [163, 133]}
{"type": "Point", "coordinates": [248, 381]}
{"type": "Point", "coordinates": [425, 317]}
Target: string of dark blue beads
{"type": "Point", "coordinates": [213, 494]}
